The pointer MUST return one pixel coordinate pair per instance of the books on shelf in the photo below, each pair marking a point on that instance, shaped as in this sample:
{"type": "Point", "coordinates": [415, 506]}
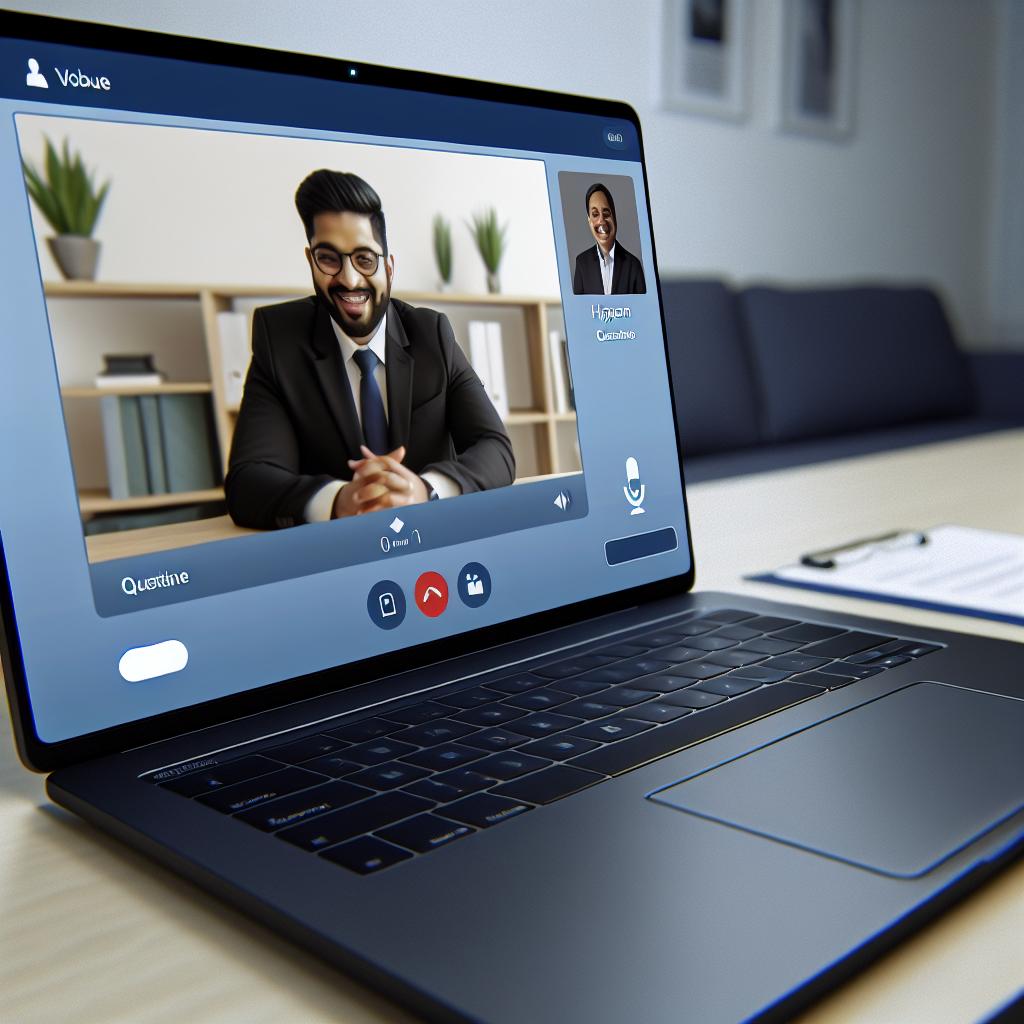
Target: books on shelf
{"type": "Point", "coordinates": [235, 353]}
{"type": "Point", "coordinates": [158, 444]}
{"type": "Point", "coordinates": [561, 374]}
{"type": "Point", "coordinates": [487, 354]}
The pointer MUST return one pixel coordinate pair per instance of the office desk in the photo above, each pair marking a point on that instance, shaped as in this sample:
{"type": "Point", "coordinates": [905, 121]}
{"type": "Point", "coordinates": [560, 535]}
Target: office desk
{"type": "Point", "coordinates": [91, 931]}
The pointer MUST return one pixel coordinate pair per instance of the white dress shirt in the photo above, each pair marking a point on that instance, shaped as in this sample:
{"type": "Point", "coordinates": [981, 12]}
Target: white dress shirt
{"type": "Point", "coordinates": [319, 507]}
{"type": "Point", "coordinates": [607, 267]}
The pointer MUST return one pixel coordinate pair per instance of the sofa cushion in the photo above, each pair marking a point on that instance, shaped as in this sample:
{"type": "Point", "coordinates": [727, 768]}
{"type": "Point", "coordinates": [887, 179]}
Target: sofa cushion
{"type": "Point", "coordinates": [715, 395]}
{"type": "Point", "coordinates": [836, 360]}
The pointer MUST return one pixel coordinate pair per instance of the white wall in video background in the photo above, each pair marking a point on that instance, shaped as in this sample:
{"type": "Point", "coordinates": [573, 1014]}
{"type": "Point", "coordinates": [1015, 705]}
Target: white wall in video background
{"type": "Point", "coordinates": [207, 207]}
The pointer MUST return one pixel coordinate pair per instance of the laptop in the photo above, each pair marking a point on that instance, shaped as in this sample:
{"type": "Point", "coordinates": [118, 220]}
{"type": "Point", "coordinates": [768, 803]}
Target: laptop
{"type": "Point", "coordinates": [357, 587]}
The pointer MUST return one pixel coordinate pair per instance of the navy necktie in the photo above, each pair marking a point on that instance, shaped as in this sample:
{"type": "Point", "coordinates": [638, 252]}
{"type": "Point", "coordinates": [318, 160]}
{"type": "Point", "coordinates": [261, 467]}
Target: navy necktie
{"type": "Point", "coordinates": [375, 422]}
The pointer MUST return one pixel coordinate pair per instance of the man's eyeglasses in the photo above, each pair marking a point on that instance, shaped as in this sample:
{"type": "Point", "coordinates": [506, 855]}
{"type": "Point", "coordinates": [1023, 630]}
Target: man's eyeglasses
{"type": "Point", "coordinates": [329, 261]}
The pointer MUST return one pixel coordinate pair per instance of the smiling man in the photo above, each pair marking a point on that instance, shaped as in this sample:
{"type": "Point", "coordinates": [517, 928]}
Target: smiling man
{"type": "Point", "coordinates": [355, 401]}
{"type": "Point", "coordinates": [606, 268]}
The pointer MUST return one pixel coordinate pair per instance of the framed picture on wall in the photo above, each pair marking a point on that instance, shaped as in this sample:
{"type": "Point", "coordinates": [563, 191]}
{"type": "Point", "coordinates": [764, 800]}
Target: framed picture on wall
{"type": "Point", "coordinates": [818, 55]}
{"type": "Point", "coordinates": [704, 60]}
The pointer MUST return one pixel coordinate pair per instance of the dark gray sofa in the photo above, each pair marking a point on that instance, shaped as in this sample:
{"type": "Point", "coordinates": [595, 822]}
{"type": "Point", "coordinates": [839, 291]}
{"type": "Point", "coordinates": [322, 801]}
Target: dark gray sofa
{"type": "Point", "coordinates": [768, 378]}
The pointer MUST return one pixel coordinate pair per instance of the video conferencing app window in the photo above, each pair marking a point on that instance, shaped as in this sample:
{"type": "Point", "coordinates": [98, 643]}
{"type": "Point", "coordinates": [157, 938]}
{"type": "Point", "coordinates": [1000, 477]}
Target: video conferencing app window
{"type": "Point", "coordinates": [298, 412]}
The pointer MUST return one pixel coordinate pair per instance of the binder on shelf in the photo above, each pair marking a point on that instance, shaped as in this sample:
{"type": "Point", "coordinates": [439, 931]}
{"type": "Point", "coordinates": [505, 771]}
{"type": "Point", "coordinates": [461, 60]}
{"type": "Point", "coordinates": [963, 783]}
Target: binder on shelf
{"type": "Point", "coordinates": [121, 371]}
{"type": "Point", "coordinates": [559, 378]}
{"type": "Point", "coordinates": [487, 354]}
{"type": "Point", "coordinates": [125, 446]}
{"type": "Point", "coordinates": [235, 353]}
{"type": "Point", "coordinates": [187, 431]}
{"type": "Point", "coordinates": [153, 439]}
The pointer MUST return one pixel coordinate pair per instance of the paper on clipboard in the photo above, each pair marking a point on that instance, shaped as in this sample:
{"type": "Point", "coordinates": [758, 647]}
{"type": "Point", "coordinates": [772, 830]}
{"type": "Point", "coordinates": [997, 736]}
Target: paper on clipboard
{"type": "Point", "coordinates": [960, 569]}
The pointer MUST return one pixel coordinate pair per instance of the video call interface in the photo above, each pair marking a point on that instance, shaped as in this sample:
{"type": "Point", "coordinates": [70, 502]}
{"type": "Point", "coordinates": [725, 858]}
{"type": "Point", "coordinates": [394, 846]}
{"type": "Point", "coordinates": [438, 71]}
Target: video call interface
{"type": "Point", "coordinates": [388, 389]}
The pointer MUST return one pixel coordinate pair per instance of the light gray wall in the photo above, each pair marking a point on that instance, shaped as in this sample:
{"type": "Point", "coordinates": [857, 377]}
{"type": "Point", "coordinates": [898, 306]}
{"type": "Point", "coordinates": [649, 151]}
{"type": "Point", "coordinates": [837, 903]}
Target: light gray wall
{"type": "Point", "coordinates": [910, 197]}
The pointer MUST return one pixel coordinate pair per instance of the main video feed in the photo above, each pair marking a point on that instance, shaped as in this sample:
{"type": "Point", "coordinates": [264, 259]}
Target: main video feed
{"type": "Point", "coordinates": [253, 333]}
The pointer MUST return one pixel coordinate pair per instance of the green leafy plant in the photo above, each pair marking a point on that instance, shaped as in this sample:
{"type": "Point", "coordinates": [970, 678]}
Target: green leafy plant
{"type": "Point", "coordinates": [66, 196]}
{"type": "Point", "coordinates": [443, 248]}
{"type": "Point", "coordinates": [489, 237]}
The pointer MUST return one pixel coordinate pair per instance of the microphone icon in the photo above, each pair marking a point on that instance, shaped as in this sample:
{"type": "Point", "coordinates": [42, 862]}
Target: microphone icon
{"type": "Point", "coordinates": [634, 490]}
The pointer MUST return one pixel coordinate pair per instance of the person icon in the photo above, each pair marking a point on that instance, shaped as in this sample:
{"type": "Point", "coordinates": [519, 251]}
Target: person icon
{"type": "Point", "coordinates": [34, 77]}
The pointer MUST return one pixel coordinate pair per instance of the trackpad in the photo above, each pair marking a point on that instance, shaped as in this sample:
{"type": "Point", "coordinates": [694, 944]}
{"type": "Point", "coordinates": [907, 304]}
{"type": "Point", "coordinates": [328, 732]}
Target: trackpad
{"type": "Point", "coordinates": [896, 785]}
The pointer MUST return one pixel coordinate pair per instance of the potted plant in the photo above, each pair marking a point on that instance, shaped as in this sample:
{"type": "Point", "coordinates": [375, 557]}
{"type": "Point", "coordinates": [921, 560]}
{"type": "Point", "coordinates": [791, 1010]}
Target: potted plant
{"type": "Point", "coordinates": [443, 251]}
{"type": "Point", "coordinates": [67, 197]}
{"type": "Point", "coordinates": [490, 243]}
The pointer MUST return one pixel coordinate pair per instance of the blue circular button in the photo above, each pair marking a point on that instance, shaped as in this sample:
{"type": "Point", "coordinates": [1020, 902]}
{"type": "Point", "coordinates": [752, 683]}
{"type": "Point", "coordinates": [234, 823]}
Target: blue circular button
{"type": "Point", "coordinates": [386, 604]}
{"type": "Point", "coordinates": [474, 584]}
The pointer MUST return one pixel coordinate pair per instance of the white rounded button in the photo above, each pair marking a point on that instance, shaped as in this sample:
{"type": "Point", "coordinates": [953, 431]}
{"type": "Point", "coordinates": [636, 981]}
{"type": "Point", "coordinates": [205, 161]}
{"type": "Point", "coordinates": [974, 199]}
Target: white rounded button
{"type": "Point", "coordinates": [141, 663]}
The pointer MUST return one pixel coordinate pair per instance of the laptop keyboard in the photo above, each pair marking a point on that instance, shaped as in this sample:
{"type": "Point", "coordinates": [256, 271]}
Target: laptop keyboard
{"type": "Point", "coordinates": [378, 791]}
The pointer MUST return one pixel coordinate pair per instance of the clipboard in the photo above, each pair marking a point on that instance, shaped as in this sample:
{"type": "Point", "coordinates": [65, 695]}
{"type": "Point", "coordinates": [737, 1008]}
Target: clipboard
{"type": "Point", "coordinates": [960, 569]}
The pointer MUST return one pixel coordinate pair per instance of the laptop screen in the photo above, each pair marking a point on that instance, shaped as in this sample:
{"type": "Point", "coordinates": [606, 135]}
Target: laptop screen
{"type": "Point", "coordinates": [304, 369]}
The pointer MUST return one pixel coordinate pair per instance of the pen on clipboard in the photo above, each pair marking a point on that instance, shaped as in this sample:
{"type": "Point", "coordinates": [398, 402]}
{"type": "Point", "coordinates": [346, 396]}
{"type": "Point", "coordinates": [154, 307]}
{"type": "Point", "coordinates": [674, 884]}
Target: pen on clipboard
{"type": "Point", "coordinates": [856, 551]}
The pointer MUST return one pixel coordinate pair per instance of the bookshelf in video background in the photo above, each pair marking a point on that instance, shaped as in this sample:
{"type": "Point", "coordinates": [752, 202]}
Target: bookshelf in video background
{"type": "Point", "coordinates": [199, 336]}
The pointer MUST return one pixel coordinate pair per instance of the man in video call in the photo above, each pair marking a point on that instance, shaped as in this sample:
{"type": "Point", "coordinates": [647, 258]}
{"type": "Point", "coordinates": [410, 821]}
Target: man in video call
{"type": "Point", "coordinates": [355, 401]}
{"type": "Point", "coordinates": [606, 268]}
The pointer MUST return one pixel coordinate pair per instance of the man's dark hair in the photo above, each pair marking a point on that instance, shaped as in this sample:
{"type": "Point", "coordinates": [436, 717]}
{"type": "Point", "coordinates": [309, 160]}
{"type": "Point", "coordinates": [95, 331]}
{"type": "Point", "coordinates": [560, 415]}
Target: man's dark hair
{"type": "Point", "coordinates": [327, 191]}
{"type": "Point", "coordinates": [598, 187]}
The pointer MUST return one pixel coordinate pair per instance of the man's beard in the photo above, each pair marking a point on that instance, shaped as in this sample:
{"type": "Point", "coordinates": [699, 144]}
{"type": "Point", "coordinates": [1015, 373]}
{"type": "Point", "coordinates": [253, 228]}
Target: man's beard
{"type": "Point", "coordinates": [354, 329]}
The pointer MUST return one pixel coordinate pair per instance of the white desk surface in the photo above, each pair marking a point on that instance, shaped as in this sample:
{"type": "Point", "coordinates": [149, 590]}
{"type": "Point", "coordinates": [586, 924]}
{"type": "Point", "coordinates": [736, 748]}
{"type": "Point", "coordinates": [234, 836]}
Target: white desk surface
{"type": "Point", "coordinates": [91, 931]}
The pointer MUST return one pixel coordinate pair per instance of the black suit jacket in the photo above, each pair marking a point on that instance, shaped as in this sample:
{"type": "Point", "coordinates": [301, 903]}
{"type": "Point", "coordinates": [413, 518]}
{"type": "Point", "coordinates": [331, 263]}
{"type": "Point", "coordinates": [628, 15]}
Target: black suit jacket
{"type": "Point", "coordinates": [627, 275]}
{"type": "Point", "coordinates": [297, 426]}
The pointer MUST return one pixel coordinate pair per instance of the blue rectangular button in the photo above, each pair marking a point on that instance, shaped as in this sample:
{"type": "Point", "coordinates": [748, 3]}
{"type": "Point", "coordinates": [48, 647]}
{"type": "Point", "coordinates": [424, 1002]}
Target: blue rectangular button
{"type": "Point", "coordinates": [640, 545]}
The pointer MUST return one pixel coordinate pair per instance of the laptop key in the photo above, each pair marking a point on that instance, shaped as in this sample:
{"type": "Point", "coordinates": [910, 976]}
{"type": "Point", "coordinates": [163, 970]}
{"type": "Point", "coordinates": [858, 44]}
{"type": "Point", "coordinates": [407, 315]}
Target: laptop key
{"type": "Point", "coordinates": [665, 638]}
{"type": "Point", "coordinates": [492, 714]}
{"type": "Point", "coordinates": [449, 755]}
{"type": "Point", "coordinates": [769, 645]}
{"type": "Point", "coordinates": [711, 643]}
{"type": "Point", "coordinates": [807, 633]}
{"type": "Point", "coordinates": [302, 750]}
{"type": "Point", "coordinates": [728, 615]}
{"type": "Point", "coordinates": [425, 832]}
{"type": "Point", "coordinates": [608, 675]}
{"type": "Point", "coordinates": [349, 822]}
{"type": "Point", "coordinates": [590, 709]}
{"type": "Point", "coordinates": [694, 699]}
{"type": "Point", "coordinates": [645, 666]}
{"type": "Point", "coordinates": [847, 669]}
{"type": "Point", "coordinates": [611, 730]}
{"type": "Point", "coordinates": [760, 673]}
{"type": "Point", "coordinates": [627, 650]}
{"type": "Point", "coordinates": [518, 684]}
{"type": "Point", "coordinates": [419, 713]}
{"type": "Point", "coordinates": [376, 752]}
{"type": "Point", "coordinates": [917, 649]}
{"type": "Point", "coordinates": [466, 699]}
{"type": "Point", "coordinates": [222, 775]}
{"type": "Point", "coordinates": [795, 662]}
{"type": "Point", "coordinates": [538, 700]}
{"type": "Point", "coordinates": [728, 687]}
{"type": "Point", "coordinates": [494, 739]}
{"type": "Point", "coordinates": [573, 666]}
{"type": "Point", "coordinates": [366, 855]}
{"type": "Point", "coordinates": [694, 628]}
{"type": "Point", "coordinates": [298, 807]}
{"type": "Point", "coordinates": [549, 785]}
{"type": "Point", "coordinates": [846, 644]}
{"type": "Point", "coordinates": [626, 696]}
{"type": "Point", "coordinates": [542, 724]}
{"type": "Point", "coordinates": [699, 670]}
{"type": "Point", "coordinates": [889, 661]}
{"type": "Point", "coordinates": [737, 633]}
{"type": "Point", "coordinates": [735, 659]}
{"type": "Point", "coordinates": [243, 795]}
{"type": "Point", "coordinates": [677, 653]}
{"type": "Point", "coordinates": [657, 711]}
{"type": "Point", "coordinates": [450, 786]}
{"type": "Point", "coordinates": [509, 766]}
{"type": "Point", "coordinates": [661, 683]}
{"type": "Point", "coordinates": [559, 748]}
{"type": "Point", "coordinates": [616, 758]}
{"type": "Point", "coordinates": [769, 623]}
{"type": "Point", "coordinates": [829, 681]}
{"type": "Point", "coordinates": [581, 686]}
{"type": "Point", "coordinates": [367, 729]}
{"type": "Point", "coordinates": [334, 765]}
{"type": "Point", "coordinates": [484, 810]}
{"type": "Point", "coordinates": [432, 733]}
{"type": "Point", "coordinates": [387, 776]}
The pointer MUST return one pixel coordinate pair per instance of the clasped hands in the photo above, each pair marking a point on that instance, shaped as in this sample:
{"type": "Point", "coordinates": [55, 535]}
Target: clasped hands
{"type": "Point", "coordinates": [378, 482]}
